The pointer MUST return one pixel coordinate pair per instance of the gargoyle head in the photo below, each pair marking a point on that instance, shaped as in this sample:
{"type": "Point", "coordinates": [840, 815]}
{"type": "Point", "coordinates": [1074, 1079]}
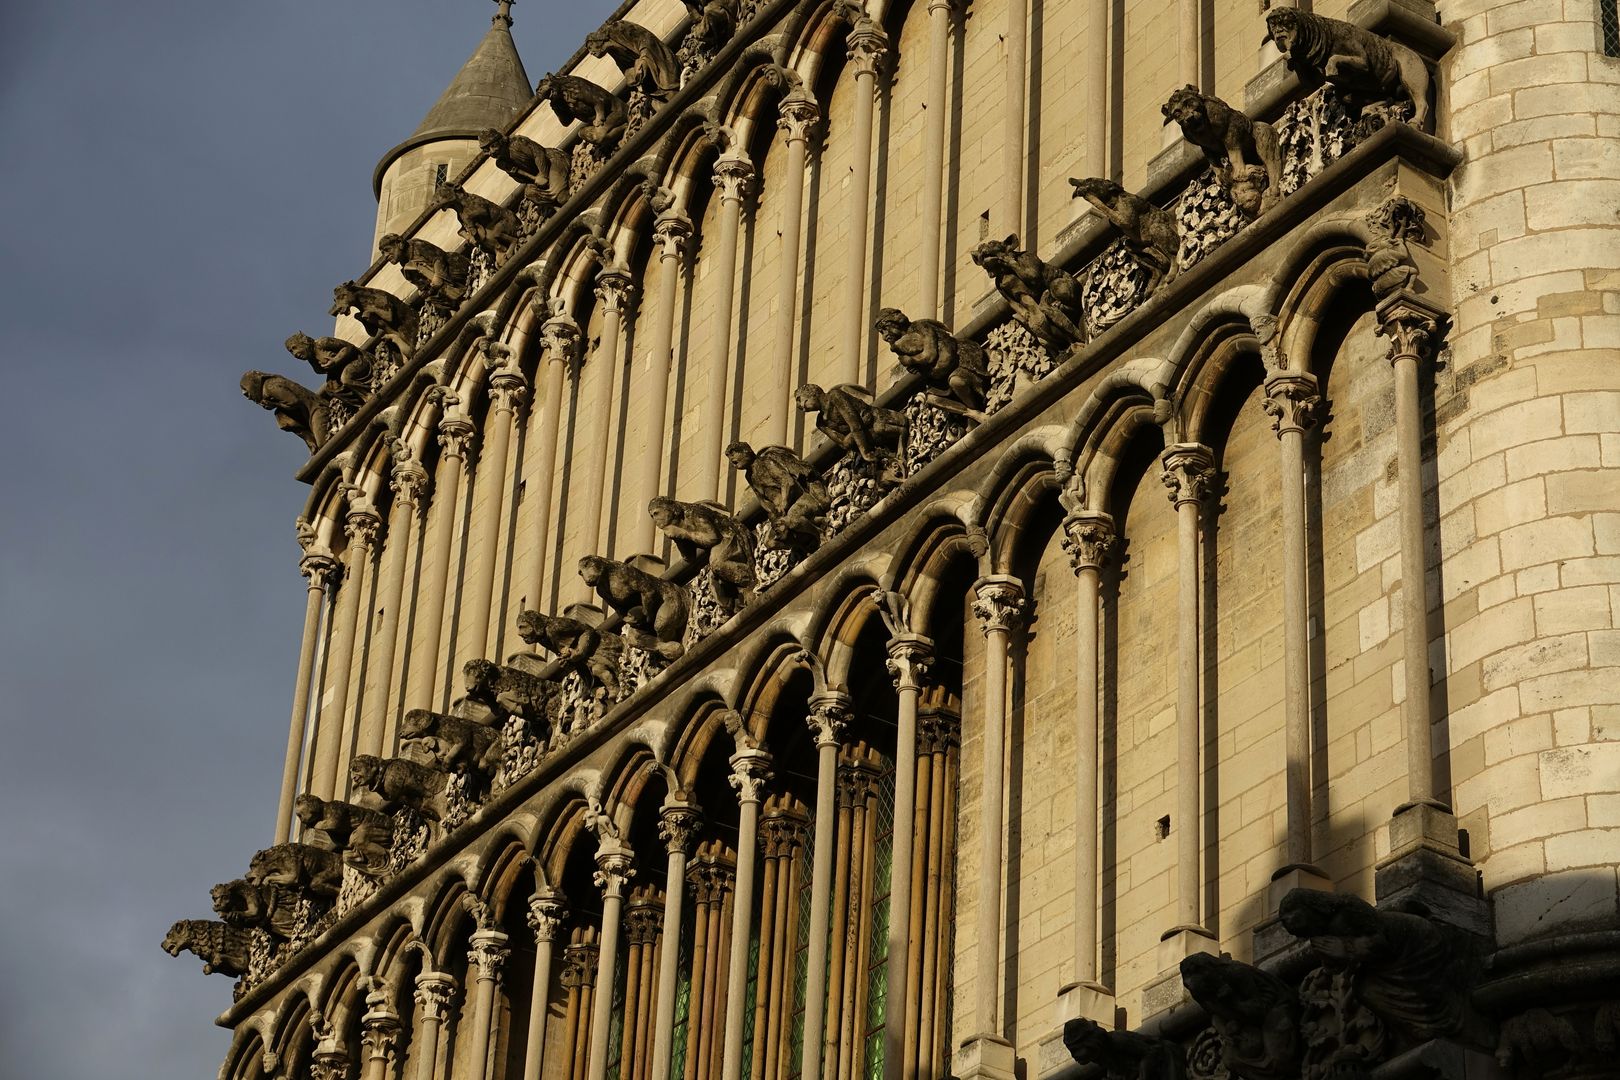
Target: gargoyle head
{"type": "Point", "coordinates": [740, 454]}
{"type": "Point", "coordinates": [1095, 189]}
{"type": "Point", "coordinates": [996, 255]}
{"type": "Point", "coordinates": [1188, 108]}
{"type": "Point", "coordinates": [1283, 27]}
{"type": "Point", "coordinates": [664, 511]}
{"type": "Point", "coordinates": [809, 397]}
{"type": "Point", "coordinates": [391, 247]}
{"type": "Point", "coordinates": [365, 771]}
{"type": "Point", "coordinates": [592, 568]}
{"type": "Point", "coordinates": [415, 724]}
{"type": "Point", "coordinates": [1087, 1041]}
{"type": "Point", "coordinates": [302, 346]}
{"type": "Point", "coordinates": [253, 388]}
{"type": "Point", "coordinates": [478, 677]}
{"type": "Point", "coordinates": [308, 809]}
{"type": "Point", "coordinates": [1339, 927]}
{"type": "Point", "coordinates": [492, 141]}
{"type": "Point", "coordinates": [891, 323]}
{"type": "Point", "coordinates": [597, 42]}
{"type": "Point", "coordinates": [174, 942]}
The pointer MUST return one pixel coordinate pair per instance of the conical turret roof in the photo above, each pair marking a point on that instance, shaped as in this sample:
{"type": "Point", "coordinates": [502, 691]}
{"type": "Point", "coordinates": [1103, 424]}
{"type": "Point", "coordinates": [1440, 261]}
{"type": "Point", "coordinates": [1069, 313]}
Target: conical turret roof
{"type": "Point", "coordinates": [489, 91]}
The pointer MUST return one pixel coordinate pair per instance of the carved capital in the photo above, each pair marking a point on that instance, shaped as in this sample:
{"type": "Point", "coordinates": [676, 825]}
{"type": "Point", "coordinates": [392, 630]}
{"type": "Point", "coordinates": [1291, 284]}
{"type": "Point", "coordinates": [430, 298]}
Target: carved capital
{"type": "Point", "coordinates": [488, 954]}
{"type": "Point", "coordinates": [1189, 472]}
{"type": "Point", "coordinates": [329, 1063]}
{"type": "Point", "coordinates": [1088, 537]}
{"type": "Point", "coordinates": [614, 866]}
{"type": "Point", "coordinates": [998, 603]}
{"type": "Point", "coordinates": [614, 287]}
{"type": "Point", "coordinates": [507, 389]}
{"type": "Point", "coordinates": [559, 338]}
{"type": "Point", "coordinates": [868, 45]}
{"type": "Point", "coordinates": [784, 828]}
{"type": "Point", "coordinates": [671, 230]}
{"type": "Point", "coordinates": [435, 992]}
{"type": "Point", "coordinates": [733, 175]}
{"type": "Point", "coordinates": [321, 569]}
{"type": "Point", "coordinates": [379, 1028]}
{"type": "Point", "coordinates": [797, 116]}
{"type": "Point", "coordinates": [677, 824]}
{"type": "Point", "coordinates": [643, 918]}
{"type": "Point", "coordinates": [1292, 402]}
{"type": "Point", "coordinates": [829, 716]}
{"type": "Point", "coordinates": [909, 658]}
{"type": "Point", "coordinates": [1412, 325]}
{"type": "Point", "coordinates": [361, 525]}
{"type": "Point", "coordinates": [407, 478]}
{"type": "Point", "coordinates": [456, 435]}
{"type": "Point", "coordinates": [750, 770]}
{"type": "Point", "coordinates": [545, 916]}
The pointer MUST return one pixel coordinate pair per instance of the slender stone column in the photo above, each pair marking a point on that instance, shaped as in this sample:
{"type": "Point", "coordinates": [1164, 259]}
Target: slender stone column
{"type": "Point", "coordinates": [671, 231]}
{"type": "Point", "coordinates": [1097, 104]}
{"type": "Point", "coordinates": [435, 992]}
{"type": "Point", "coordinates": [613, 869]}
{"type": "Point", "coordinates": [507, 387]}
{"type": "Point", "coordinates": [546, 913]}
{"type": "Point", "coordinates": [1189, 474]}
{"type": "Point", "coordinates": [559, 345]}
{"type": "Point", "coordinates": [613, 291]}
{"type": "Point", "coordinates": [1088, 536]}
{"type": "Point", "coordinates": [909, 657]}
{"type": "Point", "coordinates": [750, 769]}
{"type": "Point", "coordinates": [456, 440]}
{"type": "Point", "coordinates": [379, 1035]}
{"type": "Point", "coordinates": [867, 46]}
{"type": "Point", "coordinates": [1291, 401]}
{"type": "Point", "coordinates": [408, 480]}
{"type": "Point", "coordinates": [798, 115]}
{"type": "Point", "coordinates": [999, 605]}
{"type": "Point", "coordinates": [352, 616]}
{"type": "Point", "coordinates": [678, 822]}
{"type": "Point", "coordinates": [733, 174]}
{"type": "Point", "coordinates": [829, 715]}
{"type": "Point", "coordinates": [1187, 43]}
{"type": "Point", "coordinates": [935, 109]}
{"type": "Point", "coordinates": [1012, 142]}
{"type": "Point", "coordinates": [321, 569]}
{"type": "Point", "coordinates": [487, 956]}
{"type": "Point", "coordinates": [1411, 327]}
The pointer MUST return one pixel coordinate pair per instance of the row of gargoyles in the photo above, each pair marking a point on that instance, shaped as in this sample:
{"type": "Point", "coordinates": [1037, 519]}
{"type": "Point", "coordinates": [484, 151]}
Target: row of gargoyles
{"type": "Point", "coordinates": [1386, 980]}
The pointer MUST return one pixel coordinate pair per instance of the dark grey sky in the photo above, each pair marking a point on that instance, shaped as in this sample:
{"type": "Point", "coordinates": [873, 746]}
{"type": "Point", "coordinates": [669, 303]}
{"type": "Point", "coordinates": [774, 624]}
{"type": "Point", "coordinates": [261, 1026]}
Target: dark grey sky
{"type": "Point", "coordinates": [184, 182]}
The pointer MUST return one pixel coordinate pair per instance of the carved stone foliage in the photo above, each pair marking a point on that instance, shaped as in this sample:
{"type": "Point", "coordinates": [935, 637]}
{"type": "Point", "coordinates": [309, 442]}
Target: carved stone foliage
{"type": "Point", "coordinates": [440, 275]}
{"type": "Point", "coordinates": [846, 417]}
{"type": "Point", "coordinates": [654, 610]}
{"type": "Point", "coordinates": [1371, 75]}
{"type": "Point", "coordinates": [707, 615]}
{"type": "Point", "coordinates": [952, 366]}
{"type": "Point", "coordinates": [1044, 298]}
{"type": "Point", "coordinates": [1017, 359]}
{"type": "Point", "coordinates": [854, 486]}
{"type": "Point", "coordinates": [1148, 234]}
{"type": "Point", "coordinates": [713, 24]}
{"type": "Point", "coordinates": [487, 226]}
{"type": "Point", "coordinates": [1312, 134]}
{"type": "Point", "coordinates": [931, 431]}
{"type": "Point", "coordinates": [1242, 152]}
{"type": "Point", "coordinates": [792, 493]}
{"type": "Point", "coordinates": [1206, 217]}
{"type": "Point", "coordinates": [297, 408]}
{"type": "Point", "coordinates": [708, 533]}
{"type": "Point", "coordinates": [1114, 285]}
{"type": "Point", "coordinates": [772, 557]}
{"type": "Point", "coordinates": [382, 313]}
{"type": "Point", "coordinates": [1123, 1055]}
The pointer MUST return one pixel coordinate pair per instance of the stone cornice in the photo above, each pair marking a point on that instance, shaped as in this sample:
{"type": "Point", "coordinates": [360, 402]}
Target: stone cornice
{"type": "Point", "coordinates": [1369, 164]}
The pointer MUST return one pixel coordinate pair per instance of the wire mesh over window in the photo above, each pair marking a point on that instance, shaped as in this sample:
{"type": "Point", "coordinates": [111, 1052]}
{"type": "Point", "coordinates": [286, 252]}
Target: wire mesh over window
{"type": "Point", "coordinates": [1609, 18]}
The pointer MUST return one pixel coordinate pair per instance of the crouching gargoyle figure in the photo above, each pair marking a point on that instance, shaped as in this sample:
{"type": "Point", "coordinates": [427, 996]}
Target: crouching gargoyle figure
{"type": "Point", "coordinates": [542, 170]}
{"type": "Point", "coordinates": [360, 835]}
{"type": "Point", "coordinates": [655, 611]}
{"type": "Point", "coordinates": [221, 948]}
{"type": "Point", "coordinates": [1150, 233]}
{"type": "Point", "coordinates": [381, 312]}
{"type": "Point", "coordinates": [1243, 152]}
{"type": "Point", "coordinates": [791, 491]}
{"type": "Point", "coordinates": [581, 646]}
{"type": "Point", "coordinates": [707, 531]}
{"type": "Point", "coordinates": [1045, 299]}
{"type": "Point", "coordinates": [844, 415]}
{"type": "Point", "coordinates": [390, 784]}
{"type": "Point", "coordinates": [298, 409]}
{"type": "Point", "coordinates": [1254, 1013]}
{"type": "Point", "coordinates": [1123, 1055]}
{"type": "Point", "coordinates": [950, 364]}
{"type": "Point", "coordinates": [452, 744]}
{"type": "Point", "coordinates": [299, 866]}
{"type": "Point", "coordinates": [1367, 71]}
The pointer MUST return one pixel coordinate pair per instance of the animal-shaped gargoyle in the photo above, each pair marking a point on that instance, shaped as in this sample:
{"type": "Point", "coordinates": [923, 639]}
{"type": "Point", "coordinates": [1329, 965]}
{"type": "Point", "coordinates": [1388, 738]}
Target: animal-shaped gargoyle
{"type": "Point", "coordinates": [221, 948]}
{"type": "Point", "coordinates": [297, 408]}
{"type": "Point", "coordinates": [440, 275]}
{"type": "Point", "coordinates": [949, 363]}
{"type": "Point", "coordinates": [1045, 299]}
{"type": "Point", "coordinates": [654, 610]}
{"type": "Point", "coordinates": [1150, 233]}
{"type": "Point", "coordinates": [486, 225]}
{"type": "Point", "coordinates": [542, 170]}
{"type": "Point", "coordinates": [1255, 1014]}
{"type": "Point", "coordinates": [648, 64]}
{"type": "Point", "coordinates": [390, 784]}
{"type": "Point", "coordinates": [360, 835]}
{"type": "Point", "coordinates": [1243, 152]}
{"type": "Point", "coordinates": [1367, 71]}
{"type": "Point", "coordinates": [844, 415]}
{"type": "Point", "coordinates": [601, 115]}
{"type": "Point", "coordinates": [380, 312]}
{"type": "Point", "coordinates": [300, 866]}
{"type": "Point", "coordinates": [249, 906]}
{"type": "Point", "coordinates": [452, 744]}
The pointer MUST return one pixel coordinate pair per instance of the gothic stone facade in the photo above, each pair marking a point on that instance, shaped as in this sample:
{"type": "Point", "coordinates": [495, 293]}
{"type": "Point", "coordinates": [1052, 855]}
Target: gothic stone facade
{"type": "Point", "coordinates": [923, 734]}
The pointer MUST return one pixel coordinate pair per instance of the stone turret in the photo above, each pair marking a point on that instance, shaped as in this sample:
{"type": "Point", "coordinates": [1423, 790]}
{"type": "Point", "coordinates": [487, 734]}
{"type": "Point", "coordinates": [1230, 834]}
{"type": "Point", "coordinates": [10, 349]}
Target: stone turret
{"type": "Point", "coordinates": [490, 90]}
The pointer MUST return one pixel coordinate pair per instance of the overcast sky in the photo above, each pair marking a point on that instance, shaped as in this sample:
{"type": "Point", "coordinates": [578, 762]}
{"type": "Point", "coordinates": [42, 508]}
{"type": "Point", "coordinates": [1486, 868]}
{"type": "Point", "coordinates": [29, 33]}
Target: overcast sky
{"type": "Point", "coordinates": [184, 183]}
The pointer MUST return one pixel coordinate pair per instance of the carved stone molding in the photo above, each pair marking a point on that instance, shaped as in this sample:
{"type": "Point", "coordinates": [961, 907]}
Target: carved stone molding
{"type": "Point", "coordinates": [1292, 402]}
{"type": "Point", "coordinates": [1088, 537]}
{"type": "Point", "coordinates": [828, 717]}
{"type": "Point", "coordinates": [545, 915]}
{"type": "Point", "coordinates": [1189, 472]}
{"type": "Point", "coordinates": [998, 603]}
{"type": "Point", "coordinates": [868, 45]}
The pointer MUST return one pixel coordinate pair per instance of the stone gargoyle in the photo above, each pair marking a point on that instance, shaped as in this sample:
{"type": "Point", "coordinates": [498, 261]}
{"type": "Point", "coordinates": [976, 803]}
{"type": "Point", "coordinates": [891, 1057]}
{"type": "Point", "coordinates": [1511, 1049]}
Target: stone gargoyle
{"type": "Point", "coordinates": [1255, 1014]}
{"type": "Point", "coordinates": [1045, 299]}
{"type": "Point", "coordinates": [347, 367]}
{"type": "Point", "coordinates": [793, 494]}
{"type": "Point", "coordinates": [580, 646]}
{"type": "Point", "coordinates": [1123, 1055]}
{"type": "Point", "coordinates": [221, 948]}
{"type": "Point", "coordinates": [602, 116]}
{"type": "Point", "coordinates": [1150, 233]}
{"type": "Point", "coordinates": [1243, 152]}
{"type": "Point", "coordinates": [452, 743]}
{"type": "Point", "coordinates": [390, 784]}
{"type": "Point", "coordinates": [310, 869]}
{"type": "Point", "coordinates": [362, 836]}
{"type": "Point", "coordinates": [654, 610]}
{"type": "Point", "coordinates": [1366, 70]}
{"type": "Point", "coordinates": [949, 363]}
{"type": "Point", "coordinates": [1394, 223]}
{"type": "Point", "coordinates": [844, 415]}
{"type": "Point", "coordinates": [298, 409]}
{"type": "Point", "coordinates": [440, 275]}
{"type": "Point", "coordinates": [510, 691]}
{"type": "Point", "coordinates": [714, 22]}
{"type": "Point", "coordinates": [249, 906]}
{"type": "Point", "coordinates": [381, 312]}
{"type": "Point", "coordinates": [1410, 971]}
{"type": "Point", "coordinates": [648, 64]}
{"type": "Point", "coordinates": [542, 170]}
{"type": "Point", "coordinates": [710, 532]}
{"type": "Point", "coordinates": [486, 225]}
